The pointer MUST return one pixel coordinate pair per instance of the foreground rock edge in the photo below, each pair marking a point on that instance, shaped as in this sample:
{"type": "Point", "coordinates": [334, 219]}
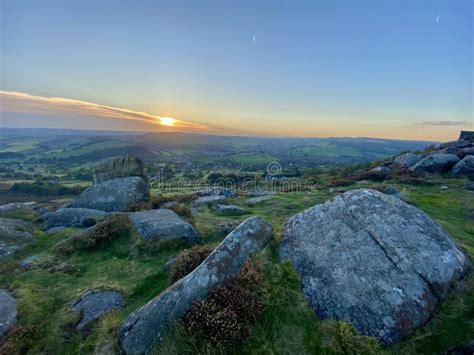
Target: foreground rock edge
{"type": "Point", "coordinates": [144, 329]}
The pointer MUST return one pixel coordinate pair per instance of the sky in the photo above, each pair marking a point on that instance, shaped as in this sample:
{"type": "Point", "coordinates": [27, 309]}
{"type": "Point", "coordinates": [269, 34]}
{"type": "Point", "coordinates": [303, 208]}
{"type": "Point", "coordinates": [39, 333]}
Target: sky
{"type": "Point", "coordinates": [390, 69]}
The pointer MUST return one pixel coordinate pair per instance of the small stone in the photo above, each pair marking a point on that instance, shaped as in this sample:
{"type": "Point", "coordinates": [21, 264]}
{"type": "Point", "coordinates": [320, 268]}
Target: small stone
{"type": "Point", "coordinates": [93, 305]}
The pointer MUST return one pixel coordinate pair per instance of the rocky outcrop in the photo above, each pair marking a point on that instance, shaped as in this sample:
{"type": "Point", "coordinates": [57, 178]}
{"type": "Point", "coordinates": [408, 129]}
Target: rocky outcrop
{"type": "Point", "coordinates": [113, 195]}
{"type": "Point", "coordinates": [468, 151]}
{"type": "Point", "coordinates": [7, 312]}
{"type": "Point", "coordinates": [467, 136]}
{"type": "Point", "coordinates": [94, 305]}
{"type": "Point", "coordinates": [209, 200]}
{"type": "Point", "coordinates": [373, 260]}
{"type": "Point", "coordinates": [408, 159]}
{"type": "Point", "coordinates": [465, 167]}
{"type": "Point", "coordinates": [436, 163]}
{"type": "Point", "coordinates": [14, 235]}
{"type": "Point", "coordinates": [163, 225]}
{"type": "Point", "coordinates": [461, 143]}
{"type": "Point", "coordinates": [145, 329]}
{"type": "Point", "coordinates": [117, 167]}
{"type": "Point", "coordinates": [74, 217]}
{"type": "Point", "coordinates": [230, 210]}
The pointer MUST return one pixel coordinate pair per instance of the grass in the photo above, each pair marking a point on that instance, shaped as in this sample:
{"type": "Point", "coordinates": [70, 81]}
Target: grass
{"type": "Point", "coordinates": [288, 324]}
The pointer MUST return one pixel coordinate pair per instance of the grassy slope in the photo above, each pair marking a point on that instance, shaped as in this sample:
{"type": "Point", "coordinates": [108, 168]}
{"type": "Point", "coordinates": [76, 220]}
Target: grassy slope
{"type": "Point", "coordinates": [288, 324]}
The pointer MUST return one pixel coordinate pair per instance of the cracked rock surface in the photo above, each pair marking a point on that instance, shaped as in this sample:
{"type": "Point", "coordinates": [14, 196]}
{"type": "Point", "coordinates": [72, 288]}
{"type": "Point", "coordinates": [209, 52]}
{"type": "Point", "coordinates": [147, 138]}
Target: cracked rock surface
{"type": "Point", "coordinates": [373, 260]}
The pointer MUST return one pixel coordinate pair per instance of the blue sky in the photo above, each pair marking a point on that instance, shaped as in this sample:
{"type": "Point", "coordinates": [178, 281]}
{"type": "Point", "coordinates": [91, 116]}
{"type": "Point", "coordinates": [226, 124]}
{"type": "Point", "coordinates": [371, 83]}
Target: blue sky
{"type": "Point", "coordinates": [401, 69]}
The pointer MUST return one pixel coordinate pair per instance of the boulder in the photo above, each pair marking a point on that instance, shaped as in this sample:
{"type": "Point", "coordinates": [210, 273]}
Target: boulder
{"type": "Point", "coordinates": [468, 151]}
{"type": "Point", "coordinates": [465, 167]}
{"type": "Point", "coordinates": [14, 235]}
{"type": "Point", "coordinates": [55, 230]}
{"type": "Point", "coordinates": [113, 195]}
{"type": "Point", "coordinates": [230, 210]}
{"type": "Point", "coordinates": [92, 306]}
{"type": "Point", "coordinates": [452, 150]}
{"type": "Point", "coordinates": [209, 200]}
{"type": "Point", "coordinates": [73, 217]}
{"type": "Point", "coordinates": [408, 159]}
{"type": "Point", "coordinates": [163, 225]}
{"type": "Point", "coordinates": [15, 209]}
{"type": "Point", "coordinates": [455, 144]}
{"type": "Point", "coordinates": [436, 163]}
{"type": "Point", "coordinates": [29, 262]}
{"type": "Point", "coordinates": [145, 328]}
{"type": "Point", "coordinates": [215, 191]}
{"type": "Point", "coordinates": [7, 312]}
{"type": "Point", "coordinates": [373, 260]}
{"type": "Point", "coordinates": [256, 200]}
{"type": "Point", "coordinates": [117, 167]}
{"type": "Point", "coordinates": [467, 136]}
{"type": "Point", "coordinates": [469, 187]}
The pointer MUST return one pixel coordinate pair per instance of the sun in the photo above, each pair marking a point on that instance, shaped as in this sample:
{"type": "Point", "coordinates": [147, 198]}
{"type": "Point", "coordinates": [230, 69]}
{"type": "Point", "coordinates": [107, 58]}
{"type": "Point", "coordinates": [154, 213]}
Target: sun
{"type": "Point", "coordinates": [167, 121]}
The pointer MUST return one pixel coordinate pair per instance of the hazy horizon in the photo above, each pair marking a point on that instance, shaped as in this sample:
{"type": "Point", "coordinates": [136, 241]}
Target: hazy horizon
{"type": "Point", "coordinates": [398, 70]}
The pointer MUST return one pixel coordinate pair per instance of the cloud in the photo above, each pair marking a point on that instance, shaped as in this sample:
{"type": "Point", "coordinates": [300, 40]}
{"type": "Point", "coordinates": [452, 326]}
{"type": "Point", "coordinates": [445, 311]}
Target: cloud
{"type": "Point", "coordinates": [18, 102]}
{"type": "Point", "coordinates": [442, 123]}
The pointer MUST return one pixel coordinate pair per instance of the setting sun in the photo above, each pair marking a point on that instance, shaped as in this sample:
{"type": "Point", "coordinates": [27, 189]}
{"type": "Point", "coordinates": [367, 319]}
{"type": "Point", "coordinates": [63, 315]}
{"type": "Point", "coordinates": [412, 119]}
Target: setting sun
{"type": "Point", "coordinates": [167, 121]}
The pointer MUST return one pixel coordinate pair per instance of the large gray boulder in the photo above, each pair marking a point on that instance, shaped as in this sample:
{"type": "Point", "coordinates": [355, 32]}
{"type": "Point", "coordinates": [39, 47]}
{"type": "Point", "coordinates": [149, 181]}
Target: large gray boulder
{"type": "Point", "coordinates": [14, 236]}
{"type": "Point", "coordinates": [408, 159]}
{"type": "Point", "coordinates": [113, 195]}
{"type": "Point", "coordinates": [163, 225]}
{"type": "Point", "coordinates": [92, 306]}
{"type": "Point", "coordinates": [117, 167]}
{"type": "Point", "coordinates": [74, 217]}
{"type": "Point", "coordinates": [373, 260]}
{"type": "Point", "coordinates": [465, 167]}
{"type": "Point", "coordinates": [7, 312]}
{"type": "Point", "coordinates": [144, 330]}
{"type": "Point", "coordinates": [461, 143]}
{"type": "Point", "coordinates": [467, 136]}
{"type": "Point", "coordinates": [436, 163]}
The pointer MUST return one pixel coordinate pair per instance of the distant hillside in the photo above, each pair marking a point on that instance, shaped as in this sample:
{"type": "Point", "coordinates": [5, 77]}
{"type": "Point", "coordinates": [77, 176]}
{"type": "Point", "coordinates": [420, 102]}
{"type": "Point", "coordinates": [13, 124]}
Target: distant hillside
{"type": "Point", "coordinates": [200, 150]}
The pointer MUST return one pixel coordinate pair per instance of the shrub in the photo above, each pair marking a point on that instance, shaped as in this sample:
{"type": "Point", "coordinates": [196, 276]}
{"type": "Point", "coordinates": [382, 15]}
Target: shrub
{"type": "Point", "coordinates": [97, 237]}
{"type": "Point", "coordinates": [369, 175]}
{"type": "Point", "coordinates": [224, 319]}
{"type": "Point", "coordinates": [251, 274]}
{"type": "Point", "coordinates": [40, 188]}
{"type": "Point", "coordinates": [140, 206]}
{"type": "Point", "coordinates": [157, 201]}
{"type": "Point", "coordinates": [336, 182]}
{"type": "Point", "coordinates": [182, 210]}
{"type": "Point", "coordinates": [18, 340]}
{"type": "Point", "coordinates": [185, 198]}
{"type": "Point", "coordinates": [187, 261]}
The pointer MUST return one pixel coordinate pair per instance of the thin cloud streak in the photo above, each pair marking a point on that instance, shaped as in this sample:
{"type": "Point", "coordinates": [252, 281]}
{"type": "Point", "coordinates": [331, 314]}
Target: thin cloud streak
{"type": "Point", "coordinates": [443, 123]}
{"type": "Point", "coordinates": [13, 101]}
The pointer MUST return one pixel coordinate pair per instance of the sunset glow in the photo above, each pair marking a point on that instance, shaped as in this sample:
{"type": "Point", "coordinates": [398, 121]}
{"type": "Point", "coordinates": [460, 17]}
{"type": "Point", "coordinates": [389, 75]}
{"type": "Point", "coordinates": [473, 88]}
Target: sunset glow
{"type": "Point", "coordinates": [167, 121]}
